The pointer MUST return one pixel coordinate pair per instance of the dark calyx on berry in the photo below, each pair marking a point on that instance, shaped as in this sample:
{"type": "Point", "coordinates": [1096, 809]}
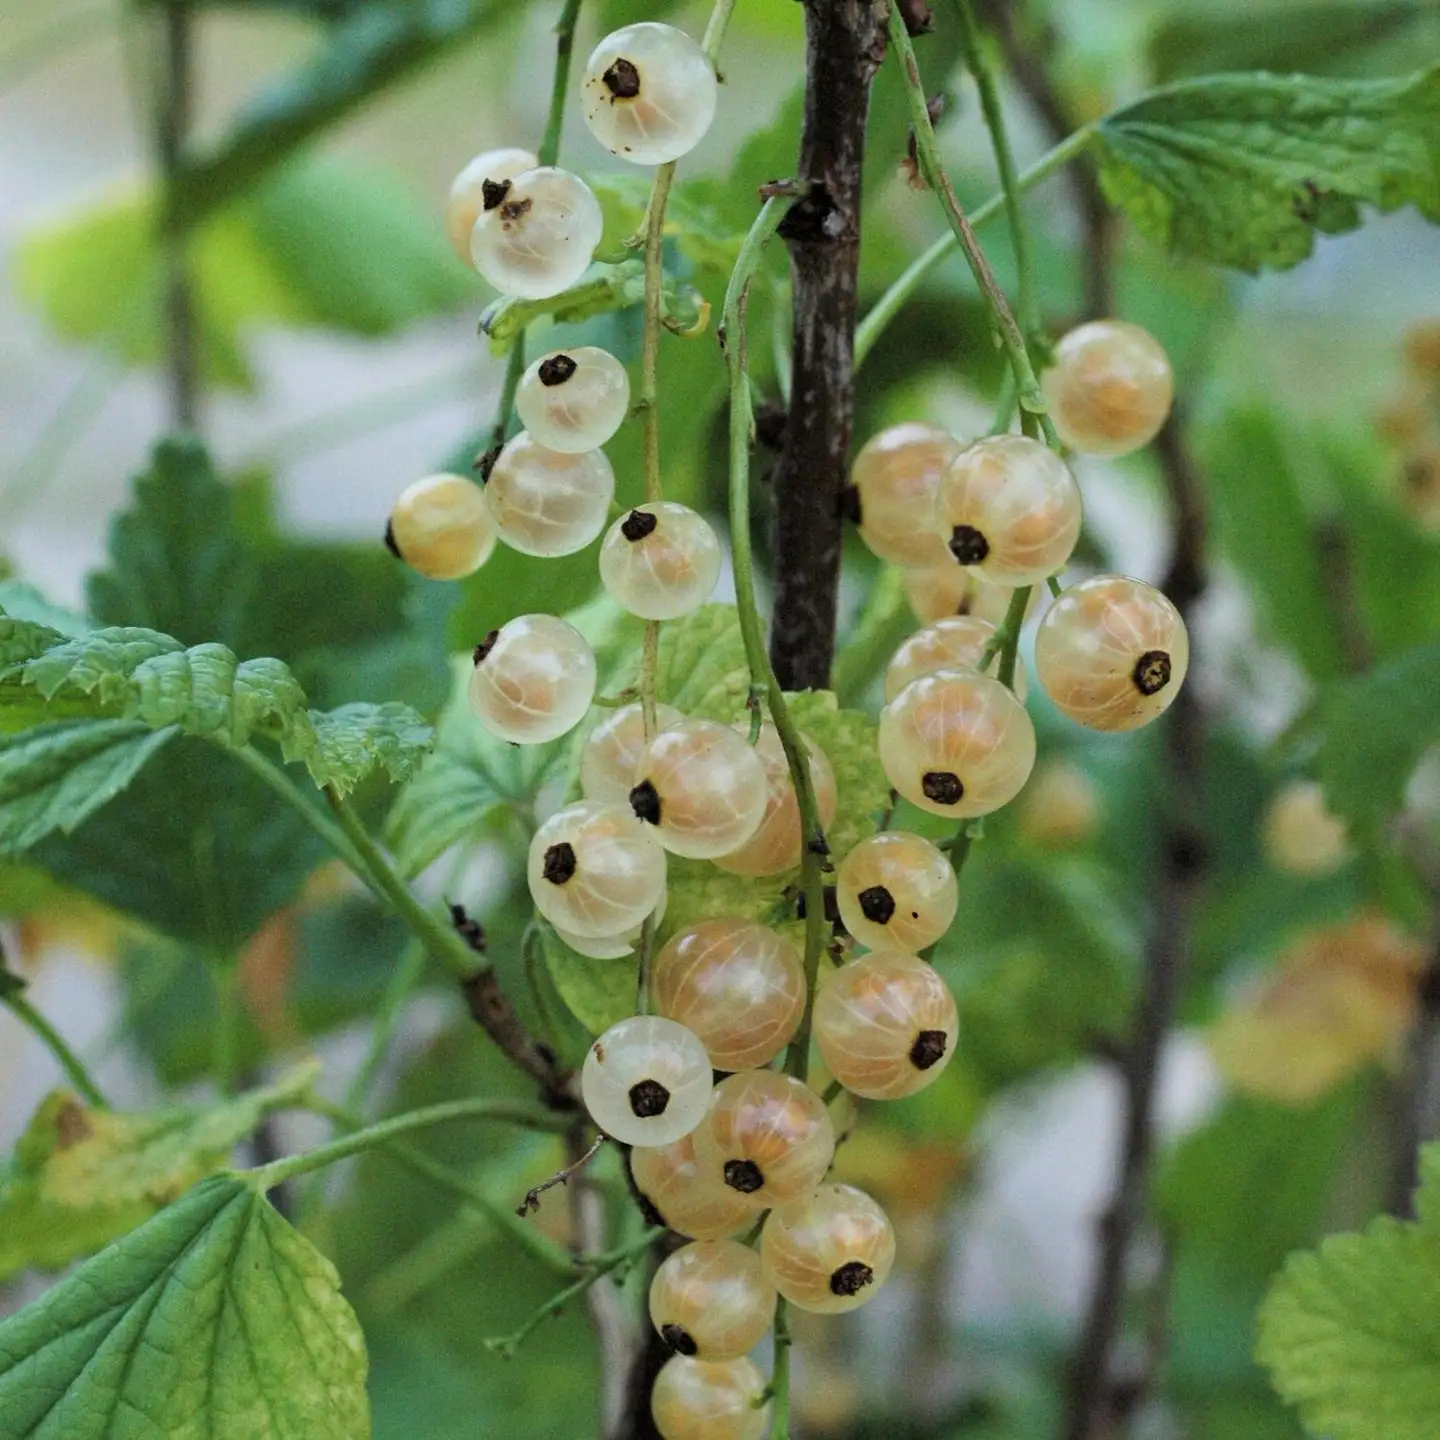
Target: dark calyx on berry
{"type": "Point", "coordinates": [638, 524]}
{"type": "Point", "coordinates": [1152, 672]}
{"type": "Point", "coordinates": [968, 545]}
{"type": "Point", "coordinates": [744, 1176]}
{"type": "Point", "coordinates": [514, 209]}
{"type": "Point", "coordinates": [942, 787]}
{"type": "Point", "coordinates": [679, 1339]}
{"type": "Point", "coordinates": [928, 1049]}
{"type": "Point", "coordinates": [390, 544]}
{"type": "Point", "coordinates": [850, 505]}
{"type": "Point", "coordinates": [485, 647]}
{"type": "Point", "coordinates": [877, 905]}
{"type": "Point", "coordinates": [559, 864]}
{"type": "Point", "coordinates": [493, 192]}
{"type": "Point", "coordinates": [645, 802]}
{"type": "Point", "coordinates": [648, 1098]}
{"type": "Point", "coordinates": [556, 370]}
{"type": "Point", "coordinates": [851, 1278]}
{"type": "Point", "coordinates": [622, 79]}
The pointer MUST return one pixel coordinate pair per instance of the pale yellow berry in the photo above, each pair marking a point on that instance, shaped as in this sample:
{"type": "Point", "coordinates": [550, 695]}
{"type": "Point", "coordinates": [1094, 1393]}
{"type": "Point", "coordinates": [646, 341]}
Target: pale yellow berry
{"type": "Point", "coordinates": [537, 233]}
{"type": "Point", "coordinates": [686, 1198]}
{"type": "Point", "coordinates": [661, 561]}
{"type": "Point", "coordinates": [573, 400]}
{"type": "Point", "coordinates": [704, 1400]}
{"type": "Point", "coordinates": [829, 1251]}
{"type": "Point", "coordinates": [646, 1081]}
{"type": "Point", "coordinates": [956, 642]}
{"type": "Point", "coordinates": [896, 478]}
{"type": "Point", "coordinates": [711, 1300]}
{"type": "Point", "coordinates": [467, 192]}
{"type": "Point", "coordinates": [614, 749]}
{"type": "Point", "coordinates": [1110, 388]}
{"type": "Point", "coordinates": [1060, 806]}
{"type": "Point", "coordinates": [544, 502]}
{"type": "Point", "coordinates": [897, 891]}
{"type": "Point", "coordinates": [1301, 836]}
{"type": "Point", "coordinates": [950, 589]}
{"type": "Point", "coordinates": [441, 528]}
{"type": "Point", "coordinates": [534, 679]}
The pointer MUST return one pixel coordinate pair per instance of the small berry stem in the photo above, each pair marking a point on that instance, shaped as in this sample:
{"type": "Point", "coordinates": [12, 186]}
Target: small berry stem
{"type": "Point", "coordinates": [715, 29]}
{"type": "Point", "coordinates": [12, 998]}
{"type": "Point", "coordinates": [780, 1375]}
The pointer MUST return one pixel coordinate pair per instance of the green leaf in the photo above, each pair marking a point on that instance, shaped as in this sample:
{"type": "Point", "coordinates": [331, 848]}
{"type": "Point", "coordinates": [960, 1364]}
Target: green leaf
{"type": "Point", "coordinates": [703, 671]}
{"type": "Point", "coordinates": [214, 1321]}
{"type": "Point", "coordinates": [599, 993]}
{"type": "Point", "coordinates": [25, 602]}
{"type": "Point", "coordinates": [1351, 1332]}
{"type": "Point", "coordinates": [356, 740]}
{"type": "Point", "coordinates": [84, 1177]}
{"type": "Point", "coordinates": [54, 776]}
{"type": "Point", "coordinates": [849, 741]}
{"type": "Point", "coordinates": [1241, 170]}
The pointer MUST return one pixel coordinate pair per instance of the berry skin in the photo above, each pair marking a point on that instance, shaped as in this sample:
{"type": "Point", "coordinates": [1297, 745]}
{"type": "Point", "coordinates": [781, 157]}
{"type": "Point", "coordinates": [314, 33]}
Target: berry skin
{"type": "Point", "coordinates": [684, 1197]}
{"type": "Point", "coordinates": [711, 1300]}
{"type": "Point", "coordinates": [950, 590]}
{"type": "Point", "coordinates": [1300, 835]}
{"type": "Point", "coordinates": [539, 235]}
{"type": "Point", "coordinates": [649, 93]}
{"type": "Point", "coordinates": [440, 527]}
{"type": "Point", "coordinates": [467, 192]}
{"type": "Point", "coordinates": [1112, 653]}
{"type": "Point", "coordinates": [614, 749]}
{"type": "Point", "coordinates": [534, 679]}
{"type": "Point", "coordinates": [957, 743]}
{"type": "Point", "coordinates": [830, 1251]}
{"type": "Point", "coordinates": [1110, 388]}
{"type": "Point", "coordinates": [739, 986]}
{"type": "Point", "coordinates": [611, 947]}
{"type": "Point", "coordinates": [896, 891]}
{"type": "Point", "coordinates": [775, 846]}
{"type": "Point", "coordinates": [702, 788]}
{"type": "Point", "coordinates": [896, 478]}
{"type": "Point", "coordinates": [699, 1400]}
{"type": "Point", "coordinates": [954, 643]}
{"type": "Point", "coordinates": [546, 503]}
{"type": "Point", "coordinates": [768, 1137]}
{"type": "Point", "coordinates": [1009, 509]}
{"type": "Point", "coordinates": [594, 870]}
{"type": "Point", "coordinates": [661, 561]}
{"type": "Point", "coordinates": [885, 1024]}
{"type": "Point", "coordinates": [573, 400]}
{"type": "Point", "coordinates": [646, 1081]}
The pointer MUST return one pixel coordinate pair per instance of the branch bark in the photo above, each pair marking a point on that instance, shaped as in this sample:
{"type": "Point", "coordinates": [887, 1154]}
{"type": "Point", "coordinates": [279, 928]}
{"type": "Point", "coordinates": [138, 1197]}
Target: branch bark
{"type": "Point", "coordinates": [845, 42]}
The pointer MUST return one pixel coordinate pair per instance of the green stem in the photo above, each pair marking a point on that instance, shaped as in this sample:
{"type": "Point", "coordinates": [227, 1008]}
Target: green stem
{"type": "Point", "coordinates": [1007, 638]}
{"type": "Point", "coordinates": [715, 30]}
{"type": "Point", "coordinates": [403, 981]}
{"type": "Point", "coordinates": [780, 1375]}
{"type": "Point", "coordinates": [549, 151]}
{"type": "Point", "coordinates": [13, 999]}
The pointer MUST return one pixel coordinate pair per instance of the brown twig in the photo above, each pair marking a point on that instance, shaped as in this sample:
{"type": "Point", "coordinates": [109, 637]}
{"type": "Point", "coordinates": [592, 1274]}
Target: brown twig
{"type": "Point", "coordinates": [576, 1159]}
{"type": "Point", "coordinates": [1417, 1094]}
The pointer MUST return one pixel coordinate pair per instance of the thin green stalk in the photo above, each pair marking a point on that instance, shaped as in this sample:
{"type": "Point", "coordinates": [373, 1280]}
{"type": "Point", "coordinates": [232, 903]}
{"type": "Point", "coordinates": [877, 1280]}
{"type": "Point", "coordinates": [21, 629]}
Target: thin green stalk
{"type": "Point", "coordinates": [1006, 642]}
{"type": "Point", "coordinates": [549, 151]}
{"type": "Point", "coordinates": [715, 29]}
{"type": "Point", "coordinates": [505, 411]}
{"type": "Point", "coordinates": [403, 982]}
{"type": "Point", "coordinates": [780, 1375]}
{"type": "Point", "coordinates": [654, 236]}
{"type": "Point", "coordinates": [14, 1000]}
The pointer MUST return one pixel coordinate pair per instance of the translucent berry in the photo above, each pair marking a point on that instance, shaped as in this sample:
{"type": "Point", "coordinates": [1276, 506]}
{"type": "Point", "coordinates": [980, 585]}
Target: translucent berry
{"type": "Point", "coordinates": [896, 478]}
{"type": "Point", "coordinates": [949, 589]}
{"type": "Point", "coordinates": [649, 93]}
{"type": "Point", "coordinates": [544, 502]}
{"type": "Point", "coordinates": [738, 985]}
{"type": "Point", "coordinates": [537, 233]}
{"type": "Point", "coordinates": [957, 743]}
{"type": "Point", "coordinates": [534, 679]}
{"type": "Point", "coordinates": [885, 1024]}
{"type": "Point", "coordinates": [573, 400]}
{"type": "Point", "coordinates": [704, 1400]}
{"type": "Point", "coordinates": [1060, 806]}
{"type": "Point", "coordinates": [1010, 510]}
{"type": "Point", "coordinates": [441, 528]}
{"type": "Point", "coordinates": [467, 193]}
{"type": "Point", "coordinates": [614, 749]}
{"type": "Point", "coordinates": [1110, 388]}
{"type": "Point", "coordinates": [595, 870]}
{"type": "Point", "coordinates": [660, 561]}
{"type": "Point", "coordinates": [956, 642]}
{"type": "Point", "coordinates": [768, 1137]}
{"type": "Point", "coordinates": [611, 947]}
{"type": "Point", "coordinates": [830, 1251]}
{"type": "Point", "coordinates": [1301, 835]}
{"type": "Point", "coordinates": [896, 891]}
{"type": "Point", "coordinates": [684, 1197]}
{"type": "Point", "coordinates": [711, 1300]}
{"type": "Point", "coordinates": [775, 846]}
{"type": "Point", "coordinates": [646, 1081]}
{"type": "Point", "coordinates": [702, 788]}
{"type": "Point", "coordinates": [1112, 653]}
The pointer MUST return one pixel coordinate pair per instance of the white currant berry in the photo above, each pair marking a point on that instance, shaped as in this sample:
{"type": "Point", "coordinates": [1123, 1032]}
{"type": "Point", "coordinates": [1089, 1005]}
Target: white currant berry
{"type": "Point", "coordinates": [1112, 653]}
{"type": "Point", "coordinates": [544, 502]}
{"type": "Point", "coordinates": [702, 788]}
{"type": "Point", "coordinates": [537, 232]}
{"type": "Point", "coordinates": [1301, 835]}
{"type": "Point", "coordinates": [711, 1300]}
{"type": "Point", "coordinates": [775, 846]}
{"type": "Point", "coordinates": [1060, 806]}
{"type": "Point", "coordinates": [614, 749]}
{"type": "Point", "coordinates": [646, 1081]}
{"type": "Point", "coordinates": [955, 642]}
{"type": "Point", "coordinates": [896, 478]}
{"type": "Point", "coordinates": [611, 947]}
{"type": "Point", "coordinates": [768, 1136]}
{"type": "Point", "coordinates": [1009, 509]}
{"type": "Point", "coordinates": [661, 561]}
{"type": "Point", "coordinates": [829, 1251]}
{"type": "Point", "coordinates": [950, 589]}
{"type": "Point", "coordinates": [957, 743]}
{"type": "Point", "coordinates": [1110, 388]}
{"type": "Point", "coordinates": [885, 1025]}
{"type": "Point", "coordinates": [710, 1400]}
{"type": "Point", "coordinates": [467, 192]}
{"type": "Point", "coordinates": [573, 400]}
{"type": "Point", "coordinates": [594, 870]}
{"type": "Point", "coordinates": [896, 891]}
{"type": "Point", "coordinates": [738, 985]}
{"type": "Point", "coordinates": [534, 679]}
{"type": "Point", "coordinates": [440, 527]}
{"type": "Point", "coordinates": [649, 93]}
{"type": "Point", "coordinates": [686, 1198]}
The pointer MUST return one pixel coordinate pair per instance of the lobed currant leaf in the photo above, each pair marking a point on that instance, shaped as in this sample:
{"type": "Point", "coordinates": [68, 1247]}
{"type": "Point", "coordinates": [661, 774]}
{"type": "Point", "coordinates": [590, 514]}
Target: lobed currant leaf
{"type": "Point", "coordinates": [598, 993]}
{"type": "Point", "coordinates": [702, 671]}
